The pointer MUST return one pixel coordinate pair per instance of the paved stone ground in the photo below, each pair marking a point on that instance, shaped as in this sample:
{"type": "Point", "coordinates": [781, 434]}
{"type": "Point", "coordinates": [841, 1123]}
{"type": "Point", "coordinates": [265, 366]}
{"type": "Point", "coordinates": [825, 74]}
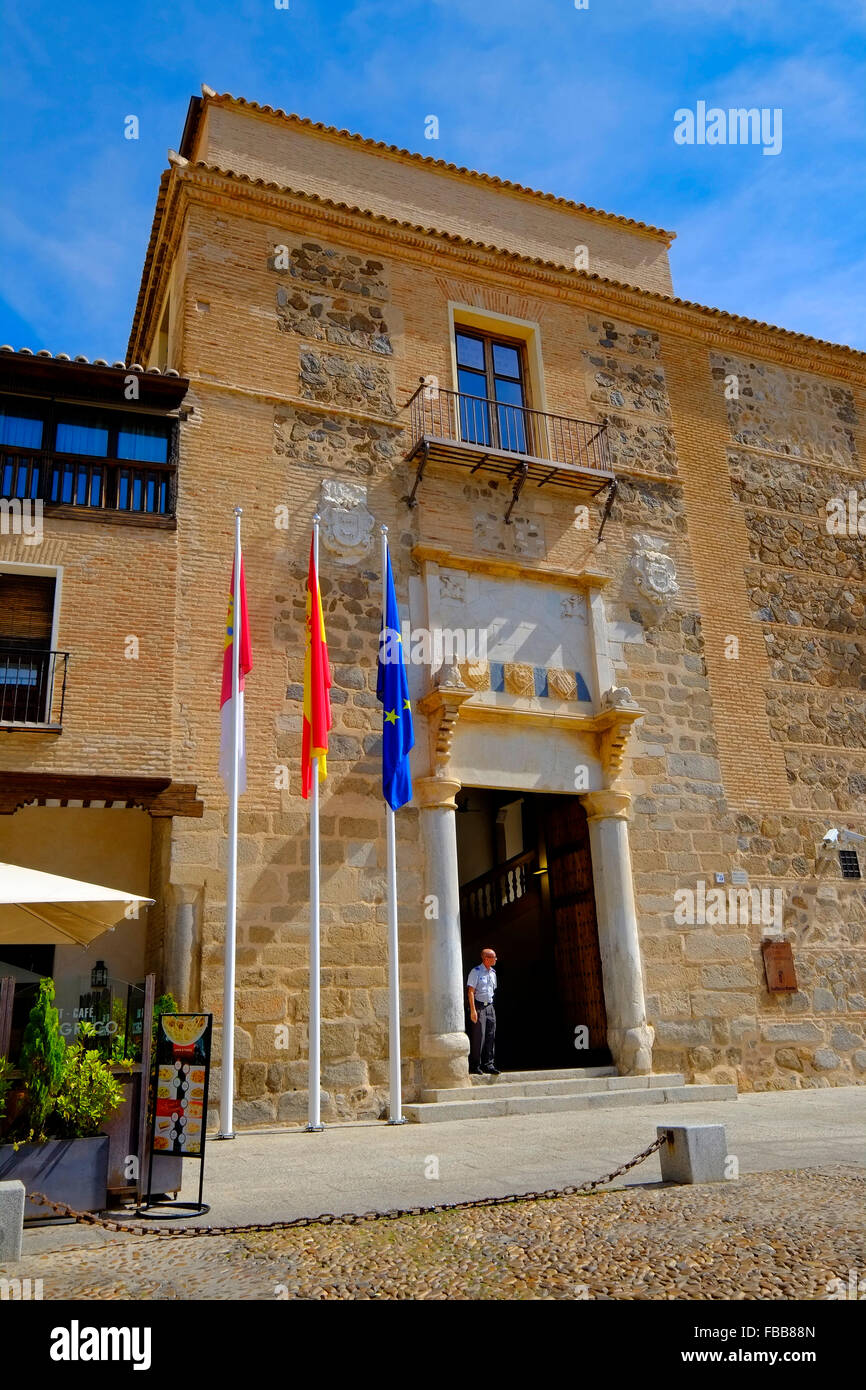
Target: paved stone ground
{"type": "Point", "coordinates": [767, 1236]}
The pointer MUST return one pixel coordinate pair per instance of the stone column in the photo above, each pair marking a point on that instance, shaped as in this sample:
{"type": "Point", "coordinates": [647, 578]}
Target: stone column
{"type": "Point", "coordinates": [182, 944]}
{"type": "Point", "coordinates": [629, 1037]}
{"type": "Point", "coordinates": [444, 1044]}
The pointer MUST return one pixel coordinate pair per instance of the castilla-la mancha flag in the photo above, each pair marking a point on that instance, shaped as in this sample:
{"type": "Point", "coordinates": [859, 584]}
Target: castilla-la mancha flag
{"type": "Point", "coordinates": [245, 664]}
{"type": "Point", "coordinates": [317, 683]}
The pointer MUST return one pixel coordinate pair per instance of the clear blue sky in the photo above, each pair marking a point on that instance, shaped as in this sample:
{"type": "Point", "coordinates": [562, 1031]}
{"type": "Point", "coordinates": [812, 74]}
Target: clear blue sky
{"type": "Point", "coordinates": [575, 102]}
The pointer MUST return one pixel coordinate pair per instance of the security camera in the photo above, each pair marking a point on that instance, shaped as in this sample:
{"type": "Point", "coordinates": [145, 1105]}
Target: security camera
{"type": "Point", "coordinates": [835, 837]}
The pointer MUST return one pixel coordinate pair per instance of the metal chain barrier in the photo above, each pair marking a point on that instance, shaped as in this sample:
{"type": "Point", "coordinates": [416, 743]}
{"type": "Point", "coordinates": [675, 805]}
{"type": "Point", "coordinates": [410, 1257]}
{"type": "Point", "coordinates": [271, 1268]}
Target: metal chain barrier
{"type": "Point", "coordinates": [347, 1218]}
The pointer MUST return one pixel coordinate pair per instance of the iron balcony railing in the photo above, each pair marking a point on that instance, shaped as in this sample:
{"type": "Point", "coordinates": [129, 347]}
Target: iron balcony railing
{"type": "Point", "coordinates": [77, 480]}
{"type": "Point", "coordinates": [32, 687]}
{"type": "Point", "coordinates": [452, 417]}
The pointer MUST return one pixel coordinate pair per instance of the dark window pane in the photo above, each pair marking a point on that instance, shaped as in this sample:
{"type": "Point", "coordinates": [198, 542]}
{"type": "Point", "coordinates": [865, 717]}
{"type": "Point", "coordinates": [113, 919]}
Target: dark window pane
{"type": "Point", "coordinates": [143, 443]}
{"type": "Point", "coordinates": [474, 420]}
{"type": "Point", "coordinates": [470, 352]}
{"type": "Point", "coordinates": [506, 360]}
{"type": "Point", "coordinates": [471, 383]}
{"type": "Point", "coordinates": [511, 392]}
{"type": "Point", "coordinates": [18, 430]}
{"type": "Point", "coordinates": [82, 439]}
{"type": "Point", "coordinates": [512, 429]}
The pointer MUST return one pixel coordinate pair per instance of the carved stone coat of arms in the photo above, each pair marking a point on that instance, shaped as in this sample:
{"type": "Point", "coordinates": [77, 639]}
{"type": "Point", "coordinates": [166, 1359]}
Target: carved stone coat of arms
{"type": "Point", "coordinates": [347, 525]}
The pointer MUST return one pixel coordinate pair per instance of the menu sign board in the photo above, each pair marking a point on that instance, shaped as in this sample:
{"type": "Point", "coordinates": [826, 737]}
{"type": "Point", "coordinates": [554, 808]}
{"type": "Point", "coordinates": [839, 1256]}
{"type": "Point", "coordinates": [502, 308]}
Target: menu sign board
{"type": "Point", "coordinates": [182, 1072]}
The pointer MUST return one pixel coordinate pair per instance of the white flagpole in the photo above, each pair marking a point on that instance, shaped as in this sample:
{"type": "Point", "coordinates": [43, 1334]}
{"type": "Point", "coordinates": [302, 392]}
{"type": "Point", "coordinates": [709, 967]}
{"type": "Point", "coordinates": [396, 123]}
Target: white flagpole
{"type": "Point", "coordinates": [314, 1123]}
{"type": "Point", "coordinates": [395, 1097]}
{"type": "Point", "coordinates": [228, 1048]}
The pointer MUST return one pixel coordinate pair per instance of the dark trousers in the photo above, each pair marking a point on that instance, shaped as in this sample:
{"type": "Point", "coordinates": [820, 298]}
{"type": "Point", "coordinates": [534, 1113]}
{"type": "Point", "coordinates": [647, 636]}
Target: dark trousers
{"type": "Point", "coordinates": [482, 1037]}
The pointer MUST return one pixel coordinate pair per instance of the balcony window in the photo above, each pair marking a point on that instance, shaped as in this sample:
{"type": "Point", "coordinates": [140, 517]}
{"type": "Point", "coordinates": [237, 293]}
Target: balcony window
{"type": "Point", "coordinates": [32, 676]}
{"type": "Point", "coordinates": [143, 443]}
{"type": "Point", "coordinates": [491, 384]}
{"type": "Point", "coordinates": [82, 439]}
{"type": "Point", "coordinates": [92, 460]}
{"type": "Point", "coordinates": [20, 431]}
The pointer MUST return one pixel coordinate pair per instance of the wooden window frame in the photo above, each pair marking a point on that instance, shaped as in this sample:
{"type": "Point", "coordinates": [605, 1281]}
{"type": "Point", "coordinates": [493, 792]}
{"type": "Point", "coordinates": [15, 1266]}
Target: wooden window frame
{"type": "Point", "coordinates": [491, 340]}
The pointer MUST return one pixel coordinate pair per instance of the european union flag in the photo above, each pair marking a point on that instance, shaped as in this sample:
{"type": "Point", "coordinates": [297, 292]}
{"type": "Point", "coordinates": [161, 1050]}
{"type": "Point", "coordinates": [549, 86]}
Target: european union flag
{"type": "Point", "coordinates": [392, 689]}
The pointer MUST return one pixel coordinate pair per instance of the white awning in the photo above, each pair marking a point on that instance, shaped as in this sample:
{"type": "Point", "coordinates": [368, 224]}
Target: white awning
{"type": "Point", "coordinates": [39, 909]}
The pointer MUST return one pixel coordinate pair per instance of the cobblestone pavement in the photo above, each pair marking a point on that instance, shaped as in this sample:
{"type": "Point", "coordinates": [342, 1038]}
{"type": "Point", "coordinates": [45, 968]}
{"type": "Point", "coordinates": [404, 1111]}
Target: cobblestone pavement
{"type": "Point", "coordinates": [781, 1235]}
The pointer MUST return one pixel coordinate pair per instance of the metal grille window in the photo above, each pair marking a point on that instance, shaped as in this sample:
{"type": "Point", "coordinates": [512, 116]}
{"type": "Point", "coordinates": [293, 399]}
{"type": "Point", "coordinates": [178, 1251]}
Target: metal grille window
{"type": "Point", "coordinates": [849, 863]}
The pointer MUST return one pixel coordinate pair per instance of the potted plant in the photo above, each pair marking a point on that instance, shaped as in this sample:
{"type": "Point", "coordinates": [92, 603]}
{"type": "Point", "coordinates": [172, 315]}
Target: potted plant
{"type": "Point", "coordinates": [54, 1126]}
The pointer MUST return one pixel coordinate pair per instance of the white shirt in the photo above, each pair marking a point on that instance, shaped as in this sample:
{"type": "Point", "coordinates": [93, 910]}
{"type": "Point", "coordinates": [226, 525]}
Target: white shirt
{"type": "Point", "coordinates": [483, 981]}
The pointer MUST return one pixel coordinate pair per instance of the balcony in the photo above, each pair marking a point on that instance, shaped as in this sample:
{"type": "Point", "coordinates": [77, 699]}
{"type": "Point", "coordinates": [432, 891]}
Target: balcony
{"type": "Point", "coordinates": [87, 484]}
{"type": "Point", "coordinates": [32, 689]}
{"type": "Point", "coordinates": [515, 442]}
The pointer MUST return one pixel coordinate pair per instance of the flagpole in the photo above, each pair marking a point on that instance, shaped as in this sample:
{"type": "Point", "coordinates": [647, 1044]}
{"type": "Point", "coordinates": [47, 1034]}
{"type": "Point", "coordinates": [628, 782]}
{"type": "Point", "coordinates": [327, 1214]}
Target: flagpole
{"type": "Point", "coordinates": [314, 1123]}
{"type": "Point", "coordinates": [228, 1043]}
{"type": "Point", "coordinates": [395, 1097]}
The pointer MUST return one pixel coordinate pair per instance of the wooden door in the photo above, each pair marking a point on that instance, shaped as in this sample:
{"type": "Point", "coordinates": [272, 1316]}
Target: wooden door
{"type": "Point", "coordinates": [572, 906]}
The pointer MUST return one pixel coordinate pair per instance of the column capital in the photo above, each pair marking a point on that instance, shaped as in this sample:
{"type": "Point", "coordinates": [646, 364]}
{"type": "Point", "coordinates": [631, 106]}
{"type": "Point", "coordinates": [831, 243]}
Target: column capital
{"type": "Point", "coordinates": [429, 792]}
{"type": "Point", "coordinates": [607, 805]}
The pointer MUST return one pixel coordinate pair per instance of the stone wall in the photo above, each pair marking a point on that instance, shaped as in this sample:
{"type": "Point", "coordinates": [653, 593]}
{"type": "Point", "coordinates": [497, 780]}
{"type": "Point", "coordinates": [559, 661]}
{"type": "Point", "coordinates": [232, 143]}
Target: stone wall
{"type": "Point", "coordinates": [806, 590]}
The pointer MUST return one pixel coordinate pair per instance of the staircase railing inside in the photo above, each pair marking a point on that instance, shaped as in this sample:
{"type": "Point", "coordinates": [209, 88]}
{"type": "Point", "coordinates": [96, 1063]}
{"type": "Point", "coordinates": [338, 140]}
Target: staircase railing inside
{"type": "Point", "coordinates": [501, 888]}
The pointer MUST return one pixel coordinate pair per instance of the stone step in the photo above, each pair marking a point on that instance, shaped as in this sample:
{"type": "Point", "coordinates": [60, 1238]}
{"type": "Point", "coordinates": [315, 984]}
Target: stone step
{"type": "Point", "coordinates": [482, 1107]}
{"type": "Point", "coordinates": [555, 1074]}
{"type": "Point", "coordinates": [498, 1087]}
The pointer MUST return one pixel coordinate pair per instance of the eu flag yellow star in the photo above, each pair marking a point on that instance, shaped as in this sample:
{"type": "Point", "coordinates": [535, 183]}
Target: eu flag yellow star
{"type": "Point", "coordinates": [391, 716]}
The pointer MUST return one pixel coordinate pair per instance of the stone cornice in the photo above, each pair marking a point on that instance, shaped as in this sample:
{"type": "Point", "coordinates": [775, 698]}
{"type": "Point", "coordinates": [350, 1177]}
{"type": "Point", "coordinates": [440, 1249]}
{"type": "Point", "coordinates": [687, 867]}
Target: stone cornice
{"type": "Point", "coordinates": [696, 322]}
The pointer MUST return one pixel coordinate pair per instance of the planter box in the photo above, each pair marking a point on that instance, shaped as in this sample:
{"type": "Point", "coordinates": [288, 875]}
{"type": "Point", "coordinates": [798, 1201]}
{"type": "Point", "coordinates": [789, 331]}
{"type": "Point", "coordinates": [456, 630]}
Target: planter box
{"type": "Point", "coordinates": [74, 1171]}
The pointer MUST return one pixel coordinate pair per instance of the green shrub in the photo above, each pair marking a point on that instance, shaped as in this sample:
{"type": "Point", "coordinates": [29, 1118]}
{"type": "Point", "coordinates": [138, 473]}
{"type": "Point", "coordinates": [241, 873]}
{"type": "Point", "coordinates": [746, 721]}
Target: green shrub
{"type": "Point", "coordinates": [6, 1070]}
{"type": "Point", "coordinates": [87, 1096]}
{"type": "Point", "coordinates": [43, 1059]}
{"type": "Point", "coordinates": [69, 1091]}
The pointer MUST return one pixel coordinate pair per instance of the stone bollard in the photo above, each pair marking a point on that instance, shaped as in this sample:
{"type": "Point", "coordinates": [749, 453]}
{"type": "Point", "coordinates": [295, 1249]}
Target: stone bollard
{"type": "Point", "coordinates": [693, 1153]}
{"type": "Point", "coordinates": [11, 1219]}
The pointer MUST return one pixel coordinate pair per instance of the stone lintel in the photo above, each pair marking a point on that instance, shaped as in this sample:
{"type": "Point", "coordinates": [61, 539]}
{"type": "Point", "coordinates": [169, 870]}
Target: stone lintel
{"type": "Point", "coordinates": [510, 568]}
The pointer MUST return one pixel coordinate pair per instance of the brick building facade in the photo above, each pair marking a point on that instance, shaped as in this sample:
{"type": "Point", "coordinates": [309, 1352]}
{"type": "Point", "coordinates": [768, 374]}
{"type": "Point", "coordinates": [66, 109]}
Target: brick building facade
{"type": "Point", "coordinates": [661, 678]}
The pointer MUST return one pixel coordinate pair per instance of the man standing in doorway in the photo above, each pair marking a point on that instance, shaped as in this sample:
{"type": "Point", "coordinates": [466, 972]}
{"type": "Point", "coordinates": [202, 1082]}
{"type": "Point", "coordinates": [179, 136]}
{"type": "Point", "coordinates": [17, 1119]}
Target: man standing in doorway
{"type": "Point", "coordinates": [481, 987]}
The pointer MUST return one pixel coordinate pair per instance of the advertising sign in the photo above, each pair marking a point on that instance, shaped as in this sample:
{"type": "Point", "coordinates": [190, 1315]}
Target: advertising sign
{"type": "Point", "coordinates": [182, 1071]}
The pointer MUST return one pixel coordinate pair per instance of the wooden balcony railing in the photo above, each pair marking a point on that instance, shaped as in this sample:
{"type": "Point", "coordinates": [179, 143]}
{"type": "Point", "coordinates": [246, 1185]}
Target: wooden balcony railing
{"type": "Point", "coordinates": [477, 432]}
{"type": "Point", "coordinates": [77, 480]}
{"type": "Point", "coordinates": [32, 687]}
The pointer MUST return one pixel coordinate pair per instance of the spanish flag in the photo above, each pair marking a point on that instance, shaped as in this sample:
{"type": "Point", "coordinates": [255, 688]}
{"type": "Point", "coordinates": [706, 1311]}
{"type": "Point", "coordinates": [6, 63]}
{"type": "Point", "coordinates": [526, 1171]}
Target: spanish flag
{"type": "Point", "coordinates": [245, 665]}
{"type": "Point", "coordinates": [317, 683]}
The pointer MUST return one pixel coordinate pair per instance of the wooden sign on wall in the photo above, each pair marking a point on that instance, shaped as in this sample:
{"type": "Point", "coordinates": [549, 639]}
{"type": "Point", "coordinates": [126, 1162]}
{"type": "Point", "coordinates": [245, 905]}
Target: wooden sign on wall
{"type": "Point", "coordinates": [779, 966]}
